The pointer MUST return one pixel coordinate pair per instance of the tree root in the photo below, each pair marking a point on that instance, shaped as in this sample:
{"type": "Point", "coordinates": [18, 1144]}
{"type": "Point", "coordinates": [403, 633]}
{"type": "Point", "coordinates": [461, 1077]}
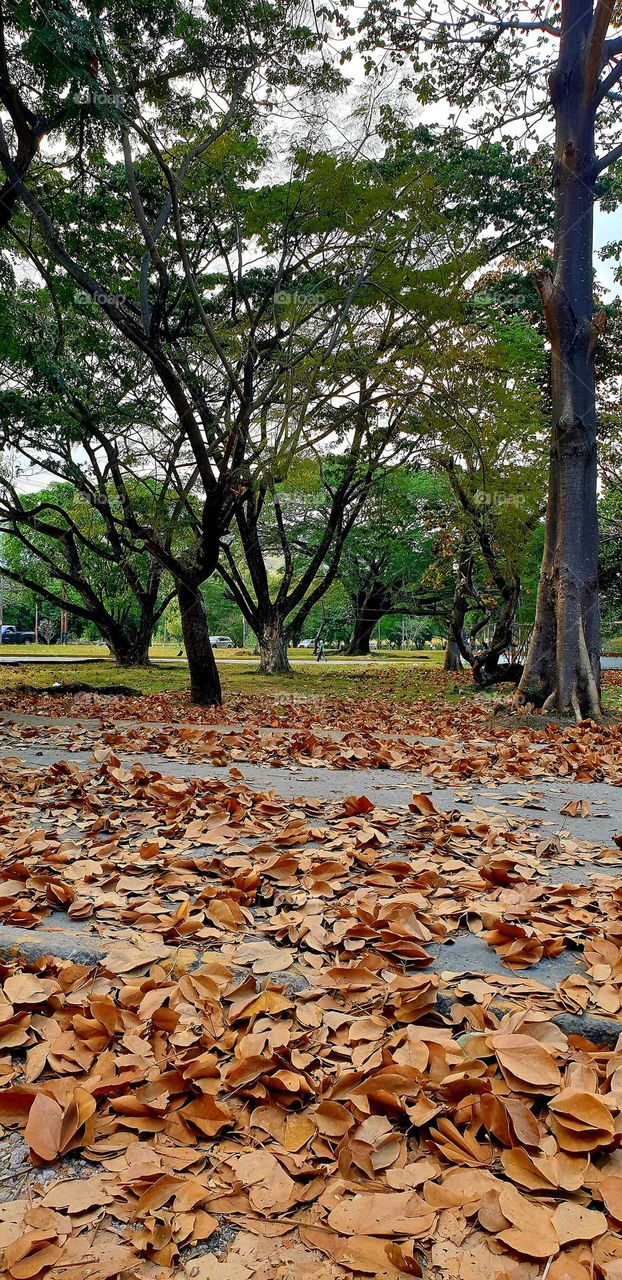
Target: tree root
{"type": "Point", "coordinates": [77, 686]}
{"type": "Point", "coordinates": [594, 704]}
{"type": "Point", "coordinates": [582, 700]}
{"type": "Point", "coordinates": [508, 673]}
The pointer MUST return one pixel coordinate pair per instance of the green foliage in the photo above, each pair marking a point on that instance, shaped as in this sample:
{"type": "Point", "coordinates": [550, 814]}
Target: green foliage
{"type": "Point", "coordinates": [89, 576]}
{"type": "Point", "coordinates": [610, 560]}
{"type": "Point", "coordinates": [394, 545]}
{"type": "Point", "coordinates": [296, 292]}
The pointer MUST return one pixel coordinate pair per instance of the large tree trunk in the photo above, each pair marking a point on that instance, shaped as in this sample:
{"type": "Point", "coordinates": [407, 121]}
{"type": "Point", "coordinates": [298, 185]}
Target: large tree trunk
{"type": "Point", "coordinates": [359, 645]}
{"type": "Point", "coordinates": [562, 670]}
{"type": "Point", "coordinates": [272, 642]}
{"type": "Point", "coordinates": [130, 651]}
{"type": "Point", "coordinates": [453, 661]}
{"type": "Point", "coordinates": [129, 645]}
{"type": "Point", "coordinates": [369, 607]}
{"type": "Point", "coordinates": [204, 679]}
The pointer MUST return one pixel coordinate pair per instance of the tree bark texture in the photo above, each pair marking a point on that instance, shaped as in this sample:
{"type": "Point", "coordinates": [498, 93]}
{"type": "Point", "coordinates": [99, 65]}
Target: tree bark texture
{"type": "Point", "coordinates": [369, 607]}
{"type": "Point", "coordinates": [205, 687]}
{"type": "Point", "coordinates": [453, 661]}
{"type": "Point", "coordinates": [272, 641]}
{"type": "Point", "coordinates": [562, 669]}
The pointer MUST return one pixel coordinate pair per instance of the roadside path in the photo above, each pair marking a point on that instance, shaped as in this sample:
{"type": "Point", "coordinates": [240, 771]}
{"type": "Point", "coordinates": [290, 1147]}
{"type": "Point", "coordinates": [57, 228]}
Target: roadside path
{"type": "Point", "coordinates": [531, 808]}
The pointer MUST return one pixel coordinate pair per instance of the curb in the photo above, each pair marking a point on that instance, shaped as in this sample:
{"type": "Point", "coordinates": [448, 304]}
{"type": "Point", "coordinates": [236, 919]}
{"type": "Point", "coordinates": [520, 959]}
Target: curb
{"type": "Point", "coordinates": [64, 945]}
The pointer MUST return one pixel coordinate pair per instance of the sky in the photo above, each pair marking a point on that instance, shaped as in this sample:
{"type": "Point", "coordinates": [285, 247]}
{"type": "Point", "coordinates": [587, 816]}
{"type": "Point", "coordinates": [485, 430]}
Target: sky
{"type": "Point", "coordinates": [607, 227]}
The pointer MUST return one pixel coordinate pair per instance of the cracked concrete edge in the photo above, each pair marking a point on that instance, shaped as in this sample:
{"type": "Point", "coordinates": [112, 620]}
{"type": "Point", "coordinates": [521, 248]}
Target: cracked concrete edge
{"type": "Point", "coordinates": [32, 946]}
{"type": "Point", "coordinates": [599, 1031]}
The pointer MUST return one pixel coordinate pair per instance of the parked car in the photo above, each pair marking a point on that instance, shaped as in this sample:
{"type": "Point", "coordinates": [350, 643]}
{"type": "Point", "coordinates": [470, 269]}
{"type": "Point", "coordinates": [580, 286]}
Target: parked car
{"type": "Point", "coordinates": [307, 644]}
{"type": "Point", "coordinates": [221, 642]}
{"type": "Point", "coordinates": [10, 635]}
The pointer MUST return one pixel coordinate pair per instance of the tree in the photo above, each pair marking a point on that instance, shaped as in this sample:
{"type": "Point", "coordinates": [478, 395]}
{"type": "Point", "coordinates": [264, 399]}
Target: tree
{"type": "Point", "coordinates": [405, 306]}
{"type": "Point", "coordinates": [484, 373]}
{"type": "Point", "coordinates": [67, 74]}
{"type": "Point", "coordinates": [490, 57]}
{"type": "Point", "coordinates": [47, 629]}
{"type": "Point", "coordinates": [342, 381]}
{"type": "Point", "coordinates": [563, 663]}
{"type": "Point", "coordinates": [164, 243]}
{"type": "Point", "coordinates": [482, 427]}
{"type": "Point", "coordinates": [136, 236]}
{"type": "Point", "coordinates": [64, 548]}
{"type": "Point", "coordinates": [387, 554]}
{"type": "Point", "coordinates": [254, 363]}
{"type": "Point", "coordinates": [304, 532]}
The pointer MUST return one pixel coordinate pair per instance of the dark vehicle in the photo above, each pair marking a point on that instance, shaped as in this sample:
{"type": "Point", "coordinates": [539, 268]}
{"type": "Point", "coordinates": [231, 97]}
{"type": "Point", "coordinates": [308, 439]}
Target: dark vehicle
{"type": "Point", "coordinates": [10, 635]}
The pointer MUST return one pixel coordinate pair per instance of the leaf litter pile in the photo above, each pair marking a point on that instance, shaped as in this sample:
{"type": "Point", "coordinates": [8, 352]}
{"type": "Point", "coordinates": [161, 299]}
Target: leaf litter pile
{"type": "Point", "coordinates": [367, 731]}
{"type": "Point", "coordinates": [262, 1077]}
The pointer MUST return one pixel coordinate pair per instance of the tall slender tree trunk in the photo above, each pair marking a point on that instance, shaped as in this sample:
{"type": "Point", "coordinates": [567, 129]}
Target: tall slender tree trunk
{"type": "Point", "coordinates": [204, 679]}
{"type": "Point", "coordinates": [272, 641]}
{"type": "Point", "coordinates": [562, 670]}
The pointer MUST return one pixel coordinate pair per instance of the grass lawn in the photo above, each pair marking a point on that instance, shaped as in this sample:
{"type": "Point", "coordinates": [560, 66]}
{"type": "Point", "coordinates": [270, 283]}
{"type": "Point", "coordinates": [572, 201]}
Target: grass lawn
{"type": "Point", "coordinates": [434, 657]}
{"type": "Point", "coordinates": [405, 678]}
{"type": "Point", "coordinates": [313, 680]}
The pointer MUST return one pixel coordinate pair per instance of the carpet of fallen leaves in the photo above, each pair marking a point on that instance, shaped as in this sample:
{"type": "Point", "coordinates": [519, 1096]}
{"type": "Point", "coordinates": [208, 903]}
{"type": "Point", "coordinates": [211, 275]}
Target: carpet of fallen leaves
{"type": "Point", "coordinates": [370, 730]}
{"type": "Point", "coordinates": [262, 1078]}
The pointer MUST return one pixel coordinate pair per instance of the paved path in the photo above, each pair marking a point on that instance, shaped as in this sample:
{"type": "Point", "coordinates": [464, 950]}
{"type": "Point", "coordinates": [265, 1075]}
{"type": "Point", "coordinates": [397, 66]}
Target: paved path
{"type": "Point", "coordinates": [539, 803]}
{"type": "Point", "coordinates": [266, 730]}
{"type": "Point", "coordinates": [534, 806]}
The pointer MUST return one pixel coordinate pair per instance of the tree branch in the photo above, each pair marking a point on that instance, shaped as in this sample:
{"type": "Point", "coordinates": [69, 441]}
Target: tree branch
{"type": "Point", "coordinates": [610, 158]}
{"type": "Point", "coordinates": [607, 84]}
{"type": "Point", "coordinates": [596, 39]}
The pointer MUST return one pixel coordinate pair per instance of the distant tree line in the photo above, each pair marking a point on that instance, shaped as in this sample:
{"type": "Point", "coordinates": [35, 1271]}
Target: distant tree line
{"type": "Point", "coordinates": [297, 366]}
